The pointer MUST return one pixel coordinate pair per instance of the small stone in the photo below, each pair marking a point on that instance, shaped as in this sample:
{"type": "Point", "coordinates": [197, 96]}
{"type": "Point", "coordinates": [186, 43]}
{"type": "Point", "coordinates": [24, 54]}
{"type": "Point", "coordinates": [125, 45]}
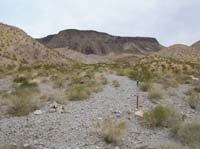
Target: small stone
{"type": "Point", "coordinates": [37, 112]}
{"type": "Point", "coordinates": [116, 147]}
{"type": "Point", "coordinates": [60, 109]}
{"type": "Point", "coordinates": [26, 145]}
{"type": "Point", "coordinates": [139, 114]}
{"type": "Point", "coordinates": [52, 110]}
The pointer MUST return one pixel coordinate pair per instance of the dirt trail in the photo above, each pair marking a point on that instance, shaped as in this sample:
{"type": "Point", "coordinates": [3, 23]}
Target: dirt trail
{"type": "Point", "coordinates": [74, 129]}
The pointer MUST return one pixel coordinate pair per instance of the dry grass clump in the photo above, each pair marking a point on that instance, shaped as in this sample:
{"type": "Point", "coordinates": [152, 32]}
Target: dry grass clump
{"type": "Point", "coordinates": [145, 86]}
{"type": "Point", "coordinates": [22, 83]}
{"type": "Point", "coordinates": [188, 133]}
{"type": "Point", "coordinates": [77, 92]}
{"type": "Point", "coordinates": [194, 100]}
{"type": "Point", "coordinates": [170, 82]}
{"type": "Point", "coordinates": [115, 83]}
{"type": "Point", "coordinates": [103, 79]}
{"type": "Point", "coordinates": [111, 129]}
{"type": "Point", "coordinates": [160, 116]}
{"type": "Point", "coordinates": [21, 103]}
{"type": "Point", "coordinates": [155, 94]}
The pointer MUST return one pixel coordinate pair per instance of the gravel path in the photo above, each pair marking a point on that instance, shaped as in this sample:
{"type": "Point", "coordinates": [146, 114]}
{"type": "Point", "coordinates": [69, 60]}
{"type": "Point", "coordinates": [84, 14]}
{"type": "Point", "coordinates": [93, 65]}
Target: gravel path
{"type": "Point", "coordinates": [74, 129]}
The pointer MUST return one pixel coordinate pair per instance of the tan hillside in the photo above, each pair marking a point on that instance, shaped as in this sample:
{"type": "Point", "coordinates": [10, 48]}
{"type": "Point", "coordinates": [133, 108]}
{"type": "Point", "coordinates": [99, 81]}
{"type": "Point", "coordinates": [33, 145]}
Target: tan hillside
{"type": "Point", "coordinates": [124, 58]}
{"type": "Point", "coordinates": [196, 45]}
{"type": "Point", "coordinates": [181, 52]}
{"type": "Point", "coordinates": [17, 46]}
{"type": "Point", "coordinates": [82, 58]}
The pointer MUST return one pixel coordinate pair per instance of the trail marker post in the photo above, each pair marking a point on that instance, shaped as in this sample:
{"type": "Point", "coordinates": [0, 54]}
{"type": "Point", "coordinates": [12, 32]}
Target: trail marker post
{"type": "Point", "coordinates": [137, 94]}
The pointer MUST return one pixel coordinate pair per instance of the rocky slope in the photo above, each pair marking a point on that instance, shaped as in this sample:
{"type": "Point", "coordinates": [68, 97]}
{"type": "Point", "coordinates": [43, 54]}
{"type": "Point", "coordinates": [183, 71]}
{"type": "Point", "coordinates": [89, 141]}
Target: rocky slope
{"type": "Point", "coordinates": [182, 52]}
{"type": "Point", "coordinates": [18, 47]}
{"type": "Point", "coordinates": [93, 42]}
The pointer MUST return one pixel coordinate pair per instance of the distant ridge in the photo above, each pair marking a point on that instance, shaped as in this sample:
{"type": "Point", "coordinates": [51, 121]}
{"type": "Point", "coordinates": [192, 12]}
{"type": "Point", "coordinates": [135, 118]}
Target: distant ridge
{"type": "Point", "coordinates": [94, 42]}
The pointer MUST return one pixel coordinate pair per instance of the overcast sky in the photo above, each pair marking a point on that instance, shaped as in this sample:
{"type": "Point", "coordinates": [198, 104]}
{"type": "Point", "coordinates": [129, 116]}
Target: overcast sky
{"type": "Point", "coordinates": [170, 21]}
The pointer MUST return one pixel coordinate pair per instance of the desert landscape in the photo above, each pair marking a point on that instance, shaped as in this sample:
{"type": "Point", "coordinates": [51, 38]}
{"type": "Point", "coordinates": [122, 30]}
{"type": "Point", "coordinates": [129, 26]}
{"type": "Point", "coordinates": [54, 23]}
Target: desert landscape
{"type": "Point", "coordinates": [87, 99]}
{"type": "Point", "coordinates": [87, 89]}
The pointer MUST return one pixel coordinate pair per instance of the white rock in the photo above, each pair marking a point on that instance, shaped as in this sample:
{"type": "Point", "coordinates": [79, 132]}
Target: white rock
{"type": "Point", "coordinates": [194, 78]}
{"type": "Point", "coordinates": [60, 109]}
{"type": "Point", "coordinates": [139, 114]}
{"type": "Point", "coordinates": [26, 145]}
{"type": "Point", "coordinates": [37, 112]}
{"type": "Point", "coordinates": [52, 110]}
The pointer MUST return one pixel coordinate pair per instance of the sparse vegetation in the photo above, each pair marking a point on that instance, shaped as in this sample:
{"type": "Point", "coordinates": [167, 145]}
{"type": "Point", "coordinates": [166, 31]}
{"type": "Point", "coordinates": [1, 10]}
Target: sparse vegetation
{"type": "Point", "coordinates": [194, 100]}
{"type": "Point", "coordinates": [21, 103]}
{"type": "Point", "coordinates": [145, 86]}
{"type": "Point", "coordinates": [155, 94]}
{"type": "Point", "coordinates": [111, 129]}
{"type": "Point", "coordinates": [188, 133]}
{"type": "Point", "coordinates": [160, 116]}
{"type": "Point", "coordinates": [77, 92]}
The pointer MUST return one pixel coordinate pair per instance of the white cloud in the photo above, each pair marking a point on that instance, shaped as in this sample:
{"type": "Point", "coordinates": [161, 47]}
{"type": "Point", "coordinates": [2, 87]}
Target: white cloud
{"type": "Point", "coordinates": [169, 21]}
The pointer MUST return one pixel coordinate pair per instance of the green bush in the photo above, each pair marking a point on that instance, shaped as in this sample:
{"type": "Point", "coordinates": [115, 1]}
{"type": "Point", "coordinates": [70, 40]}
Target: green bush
{"type": "Point", "coordinates": [188, 133]}
{"type": "Point", "coordinates": [160, 116]}
{"type": "Point", "coordinates": [22, 83]}
{"type": "Point", "coordinates": [111, 129]}
{"type": "Point", "coordinates": [77, 92]}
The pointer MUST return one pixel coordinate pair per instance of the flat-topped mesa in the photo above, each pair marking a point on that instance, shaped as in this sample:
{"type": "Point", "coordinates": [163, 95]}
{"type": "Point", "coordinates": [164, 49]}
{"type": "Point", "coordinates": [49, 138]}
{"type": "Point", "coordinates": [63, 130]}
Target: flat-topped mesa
{"type": "Point", "coordinates": [93, 42]}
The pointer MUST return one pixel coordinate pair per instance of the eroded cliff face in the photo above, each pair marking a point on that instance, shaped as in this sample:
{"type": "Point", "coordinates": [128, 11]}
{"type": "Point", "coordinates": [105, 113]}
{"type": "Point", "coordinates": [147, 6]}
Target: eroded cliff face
{"type": "Point", "coordinates": [93, 42]}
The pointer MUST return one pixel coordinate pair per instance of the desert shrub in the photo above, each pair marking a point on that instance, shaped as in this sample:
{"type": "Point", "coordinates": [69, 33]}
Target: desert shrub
{"type": "Point", "coordinates": [103, 80]}
{"type": "Point", "coordinates": [155, 94]}
{"type": "Point", "coordinates": [79, 79]}
{"type": "Point", "coordinates": [160, 116]}
{"type": "Point", "coordinates": [188, 133]}
{"type": "Point", "coordinates": [111, 129]}
{"type": "Point", "coordinates": [197, 89]}
{"type": "Point", "coordinates": [170, 82]}
{"type": "Point", "coordinates": [22, 83]}
{"type": "Point", "coordinates": [194, 100]}
{"type": "Point", "coordinates": [77, 92]}
{"type": "Point", "coordinates": [21, 103]}
{"type": "Point", "coordinates": [94, 86]}
{"type": "Point", "coordinates": [145, 86]}
{"type": "Point", "coordinates": [115, 83]}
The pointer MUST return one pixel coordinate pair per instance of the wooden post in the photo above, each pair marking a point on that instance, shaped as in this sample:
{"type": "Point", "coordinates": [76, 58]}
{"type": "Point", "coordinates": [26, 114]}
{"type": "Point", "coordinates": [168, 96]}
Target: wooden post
{"type": "Point", "coordinates": [137, 103]}
{"type": "Point", "coordinates": [137, 95]}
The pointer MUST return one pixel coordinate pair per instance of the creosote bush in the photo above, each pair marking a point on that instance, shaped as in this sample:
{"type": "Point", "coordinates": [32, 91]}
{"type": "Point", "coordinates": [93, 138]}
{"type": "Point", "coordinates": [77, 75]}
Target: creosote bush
{"type": "Point", "coordinates": [77, 92]}
{"type": "Point", "coordinates": [111, 129]}
{"type": "Point", "coordinates": [160, 116]}
{"type": "Point", "coordinates": [188, 133]}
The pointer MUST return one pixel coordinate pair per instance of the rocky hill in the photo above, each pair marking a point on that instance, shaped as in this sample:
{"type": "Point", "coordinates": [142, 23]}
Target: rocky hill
{"type": "Point", "coordinates": [93, 42]}
{"type": "Point", "coordinates": [18, 47]}
{"type": "Point", "coordinates": [182, 52]}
